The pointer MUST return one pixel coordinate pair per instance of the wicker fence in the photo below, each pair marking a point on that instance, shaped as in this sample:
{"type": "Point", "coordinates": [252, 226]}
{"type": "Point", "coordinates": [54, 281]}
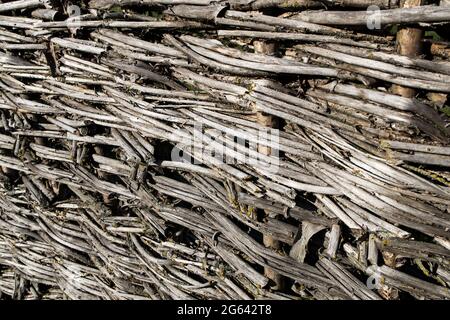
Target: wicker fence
{"type": "Point", "coordinates": [241, 149]}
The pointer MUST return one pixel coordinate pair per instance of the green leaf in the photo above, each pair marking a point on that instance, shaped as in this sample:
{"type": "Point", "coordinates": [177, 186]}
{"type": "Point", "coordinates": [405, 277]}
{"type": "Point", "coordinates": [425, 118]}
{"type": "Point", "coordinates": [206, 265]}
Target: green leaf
{"type": "Point", "coordinates": [393, 30]}
{"type": "Point", "coordinates": [446, 110]}
{"type": "Point", "coordinates": [433, 35]}
{"type": "Point", "coordinates": [116, 9]}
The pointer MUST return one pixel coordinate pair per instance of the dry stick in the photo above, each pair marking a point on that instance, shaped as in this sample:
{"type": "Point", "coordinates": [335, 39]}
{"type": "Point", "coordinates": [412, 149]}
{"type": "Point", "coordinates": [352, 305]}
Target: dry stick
{"type": "Point", "coordinates": [18, 22]}
{"type": "Point", "coordinates": [20, 4]}
{"type": "Point", "coordinates": [376, 65]}
{"type": "Point", "coordinates": [46, 14]}
{"type": "Point", "coordinates": [23, 46]}
{"type": "Point", "coordinates": [67, 43]}
{"type": "Point", "coordinates": [416, 147]}
{"type": "Point", "coordinates": [398, 59]}
{"type": "Point", "coordinates": [118, 24]}
{"type": "Point", "coordinates": [301, 26]}
{"type": "Point", "coordinates": [277, 68]}
{"type": "Point", "coordinates": [202, 13]}
{"type": "Point", "coordinates": [15, 36]}
{"type": "Point", "coordinates": [107, 4]}
{"type": "Point", "coordinates": [154, 59]}
{"type": "Point", "coordinates": [408, 283]}
{"type": "Point", "coordinates": [248, 5]}
{"type": "Point", "coordinates": [143, 72]}
{"type": "Point", "coordinates": [408, 14]}
{"type": "Point", "coordinates": [295, 36]}
{"type": "Point", "coordinates": [211, 63]}
{"type": "Point", "coordinates": [135, 43]}
{"type": "Point", "coordinates": [377, 110]}
{"type": "Point", "coordinates": [244, 24]}
{"type": "Point", "coordinates": [394, 101]}
{"type": "Point", "coordinates": [440, 50]}
{"type": "Point", "coordinates": [217, 46]}
{"type": "Point", "coordinates": [113, 41]}
{"type": "Point", "coordinates": [383, 4]}
{"type": "Point", "coordinates": [266, 120]}
{"type": "Point", "coordinates": [282, 22]}
{"type": "Point", "coordinates": [353, 64]}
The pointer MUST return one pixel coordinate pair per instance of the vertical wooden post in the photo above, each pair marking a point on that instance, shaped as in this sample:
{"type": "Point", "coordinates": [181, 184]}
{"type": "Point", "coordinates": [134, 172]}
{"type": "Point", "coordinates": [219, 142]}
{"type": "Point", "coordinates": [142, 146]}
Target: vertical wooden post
{"type": "Point", "coordinates": [409, 43]}
{"type": "Point", "coordinates": [266, 120]}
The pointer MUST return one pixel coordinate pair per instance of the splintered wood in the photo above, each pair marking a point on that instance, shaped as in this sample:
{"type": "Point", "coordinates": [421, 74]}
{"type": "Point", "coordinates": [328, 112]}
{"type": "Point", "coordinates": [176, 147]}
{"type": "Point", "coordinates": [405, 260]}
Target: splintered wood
{"type": "Point", "coordinates": [202, 149]}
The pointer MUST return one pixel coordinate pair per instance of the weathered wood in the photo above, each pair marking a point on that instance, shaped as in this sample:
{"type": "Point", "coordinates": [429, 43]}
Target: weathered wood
{"type": "Point", "coordinates": [410, 284]}
{"type": "Point", "coordinates": [333, 242]}
{"type": "Point", "coordinates": [403, 15]}
{"type": "Point", "coordinates": [205, 13]}
{"type": "Point", "coordinates": [180, 163]}
{"type": "Point", "coordinates": [20, 4]}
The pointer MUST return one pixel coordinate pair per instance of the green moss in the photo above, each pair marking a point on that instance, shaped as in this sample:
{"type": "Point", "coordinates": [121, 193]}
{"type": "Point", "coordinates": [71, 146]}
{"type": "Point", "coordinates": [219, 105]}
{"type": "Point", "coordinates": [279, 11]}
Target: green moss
{"type": "Point", "coordinates": [385, 144]}
{"type": "Point", "coordinates": [446, 110]}
{"type": "Point", "coordinates": [116, 9]}
{"type": "Point", "coordinates": [154, 14]}
{"type": "Point", "coordinates": [429, 174]}
{"type": "Point", "coordinates": [393, 29]}
{"type": "Point", "coordinates": [433, 35]}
